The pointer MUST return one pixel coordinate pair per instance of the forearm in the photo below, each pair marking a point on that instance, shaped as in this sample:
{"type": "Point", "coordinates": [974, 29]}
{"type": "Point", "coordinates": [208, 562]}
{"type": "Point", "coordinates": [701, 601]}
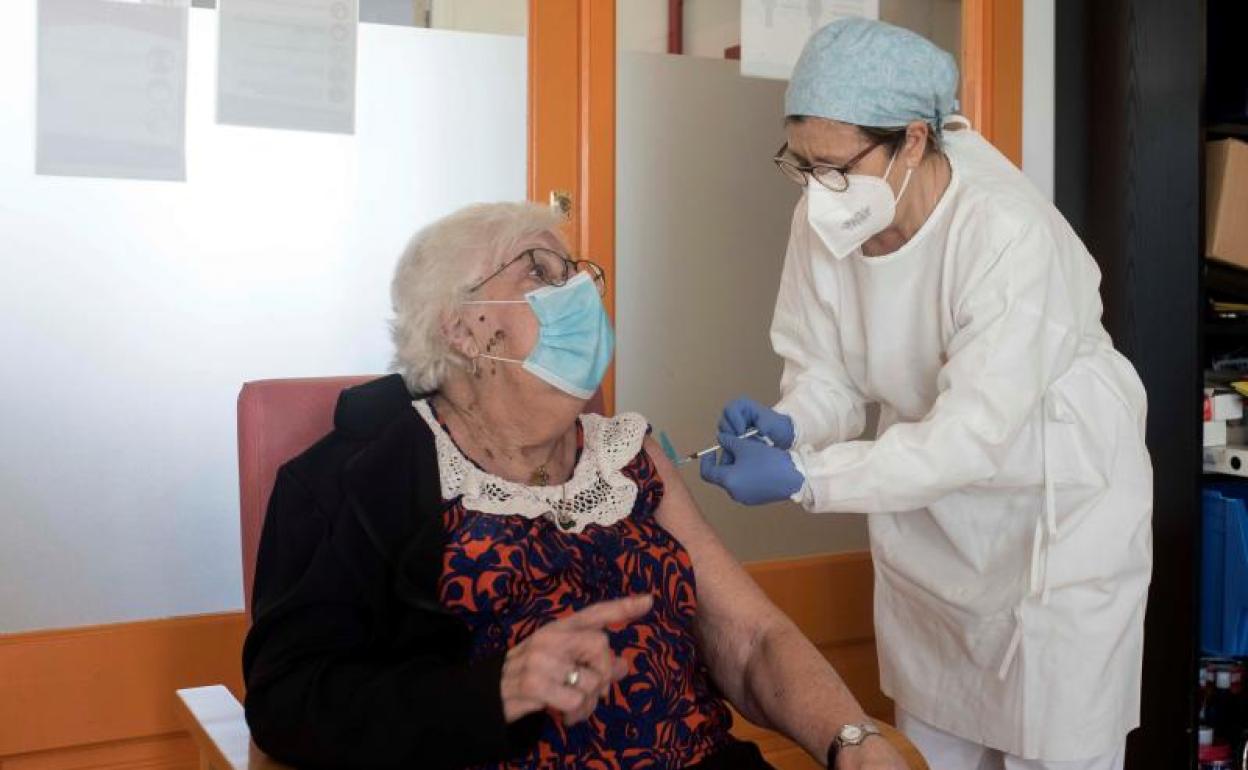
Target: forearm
{"type": "Point", "coordinates": [790, 683]}
{"type": "Point", "coordinates": [822, 412]}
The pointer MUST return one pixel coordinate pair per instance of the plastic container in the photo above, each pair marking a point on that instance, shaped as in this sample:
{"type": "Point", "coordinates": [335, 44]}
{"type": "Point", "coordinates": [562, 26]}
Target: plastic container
{"type": "Point", "coordinates": [1224, 570]}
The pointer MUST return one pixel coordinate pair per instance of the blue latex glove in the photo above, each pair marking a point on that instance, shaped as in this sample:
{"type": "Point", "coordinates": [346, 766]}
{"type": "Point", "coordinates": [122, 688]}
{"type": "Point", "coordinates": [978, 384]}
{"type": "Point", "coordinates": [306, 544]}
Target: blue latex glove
{"type": "Point", "coordinates": [744, 413]}
{"type": "Point", "coordinates": [752, 472]}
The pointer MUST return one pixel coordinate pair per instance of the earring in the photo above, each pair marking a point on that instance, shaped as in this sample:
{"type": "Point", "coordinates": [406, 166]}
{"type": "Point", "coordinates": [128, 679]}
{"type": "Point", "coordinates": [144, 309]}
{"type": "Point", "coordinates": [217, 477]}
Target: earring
{"type": "Point", "coordinates": [474, 366]}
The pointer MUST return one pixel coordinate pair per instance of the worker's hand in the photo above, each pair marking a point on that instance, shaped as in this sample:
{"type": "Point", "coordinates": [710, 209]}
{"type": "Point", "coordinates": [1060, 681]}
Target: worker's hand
{"type": "Point", "coordinates": [535, 674]}
{"type": "Point", "coordinates": [875, 753]}
{"type": "Point", "coordinates": [744, 413]}
{"type": "Point", "coordinates": [751, 471]}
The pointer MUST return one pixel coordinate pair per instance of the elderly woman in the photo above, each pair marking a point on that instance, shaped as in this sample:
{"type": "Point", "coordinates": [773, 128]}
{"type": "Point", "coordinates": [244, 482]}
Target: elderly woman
{"type": "Point", "coordinates": [487, 576]}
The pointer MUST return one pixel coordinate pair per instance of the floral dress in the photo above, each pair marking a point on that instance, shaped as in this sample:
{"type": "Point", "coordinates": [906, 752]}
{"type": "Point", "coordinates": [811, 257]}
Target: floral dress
{"type": "Point", "coordinates": [519, 557]}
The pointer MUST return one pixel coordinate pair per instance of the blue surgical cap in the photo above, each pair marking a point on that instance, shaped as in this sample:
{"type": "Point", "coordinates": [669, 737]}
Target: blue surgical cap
{"type": "Point", "coordinates": [869, 73]}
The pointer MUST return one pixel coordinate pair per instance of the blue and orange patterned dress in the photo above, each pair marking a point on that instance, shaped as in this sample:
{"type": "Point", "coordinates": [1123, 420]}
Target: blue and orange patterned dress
{"type": "Point", "coordinates": [508, 575]}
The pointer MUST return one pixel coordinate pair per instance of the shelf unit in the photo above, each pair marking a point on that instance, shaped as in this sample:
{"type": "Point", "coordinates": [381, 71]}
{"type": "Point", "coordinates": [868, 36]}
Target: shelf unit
{"type": "Point", "coordinates": [1129, 157]}
{"type": "Point", "coordinates": [1131, 98]}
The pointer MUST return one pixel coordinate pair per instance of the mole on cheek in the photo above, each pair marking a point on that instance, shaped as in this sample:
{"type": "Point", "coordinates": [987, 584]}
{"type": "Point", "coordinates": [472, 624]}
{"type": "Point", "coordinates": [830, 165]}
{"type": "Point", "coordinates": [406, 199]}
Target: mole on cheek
{"type": "Point", "coordinates": [496, 340]}
{"type": "Point", "coordinates": [481, 319]}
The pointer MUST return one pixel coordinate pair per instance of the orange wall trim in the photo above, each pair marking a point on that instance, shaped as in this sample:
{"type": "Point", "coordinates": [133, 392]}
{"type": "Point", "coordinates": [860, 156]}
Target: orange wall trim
{"type": "Point", "coordinates": [103, 696]}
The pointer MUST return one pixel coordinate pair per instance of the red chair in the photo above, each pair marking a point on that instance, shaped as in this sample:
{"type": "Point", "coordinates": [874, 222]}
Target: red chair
{"type": "Point", "coordinates": [277, 419]}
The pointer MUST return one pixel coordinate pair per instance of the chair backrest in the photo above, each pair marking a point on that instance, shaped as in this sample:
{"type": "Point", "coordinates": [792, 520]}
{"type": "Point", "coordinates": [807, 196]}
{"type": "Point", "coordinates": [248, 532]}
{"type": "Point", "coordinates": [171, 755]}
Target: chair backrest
{"type": "Point", "coordinates": [278, 419]}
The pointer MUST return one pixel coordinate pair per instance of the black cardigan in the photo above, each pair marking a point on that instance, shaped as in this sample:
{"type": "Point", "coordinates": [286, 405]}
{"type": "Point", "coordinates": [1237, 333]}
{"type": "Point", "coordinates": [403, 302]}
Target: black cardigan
{"type": "Point", "coordinates": [350, 660]}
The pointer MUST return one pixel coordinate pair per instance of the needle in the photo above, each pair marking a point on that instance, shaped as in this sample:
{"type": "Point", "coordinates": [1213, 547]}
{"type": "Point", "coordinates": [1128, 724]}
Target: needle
{"type": "Point", "coordinates": [670, 450]}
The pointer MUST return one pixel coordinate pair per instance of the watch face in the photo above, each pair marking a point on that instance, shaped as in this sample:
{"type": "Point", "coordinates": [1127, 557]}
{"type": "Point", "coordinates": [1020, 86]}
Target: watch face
{"type": "Point", "coordinates": [852, 734]}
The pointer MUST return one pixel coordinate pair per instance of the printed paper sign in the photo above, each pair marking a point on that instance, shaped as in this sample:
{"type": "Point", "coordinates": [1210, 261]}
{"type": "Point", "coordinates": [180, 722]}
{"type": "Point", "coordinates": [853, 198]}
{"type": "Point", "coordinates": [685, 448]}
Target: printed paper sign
{"type": "Point", "coordinates": [287, 64]}
{"type": "Point", "coordinates": [111, 89]}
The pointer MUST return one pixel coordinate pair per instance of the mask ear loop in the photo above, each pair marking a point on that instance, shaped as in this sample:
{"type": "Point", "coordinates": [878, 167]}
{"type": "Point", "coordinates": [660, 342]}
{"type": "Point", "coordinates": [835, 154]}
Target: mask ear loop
{"type": "Point", "coordinates": [904, 183]}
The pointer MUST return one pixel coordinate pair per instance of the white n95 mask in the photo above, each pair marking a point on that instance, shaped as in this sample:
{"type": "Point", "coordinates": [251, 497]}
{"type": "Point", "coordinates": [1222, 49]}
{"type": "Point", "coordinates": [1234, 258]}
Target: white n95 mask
{"type": "Point", "coordinates": [846, 220]}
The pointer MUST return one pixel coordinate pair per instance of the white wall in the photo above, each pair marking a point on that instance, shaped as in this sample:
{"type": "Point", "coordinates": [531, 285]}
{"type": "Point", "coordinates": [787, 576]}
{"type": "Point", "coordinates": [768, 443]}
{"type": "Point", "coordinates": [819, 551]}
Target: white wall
{"type": "Point", "coordinates": [1039, 87]}
{"type": "Point", "coordinates": [710, 26]}
{"type": "Point", "coordinates": [131, 311]}
{"type": "Point", "coordinates": [937, 20]}
{"type": "Point", "coordinates": [702, 218]}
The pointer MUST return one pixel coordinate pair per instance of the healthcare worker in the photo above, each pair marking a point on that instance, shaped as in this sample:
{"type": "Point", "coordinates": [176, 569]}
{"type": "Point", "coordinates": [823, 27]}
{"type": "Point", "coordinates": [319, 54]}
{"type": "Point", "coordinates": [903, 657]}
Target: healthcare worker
{"type": "Point", "coordinates": [1008, 489]}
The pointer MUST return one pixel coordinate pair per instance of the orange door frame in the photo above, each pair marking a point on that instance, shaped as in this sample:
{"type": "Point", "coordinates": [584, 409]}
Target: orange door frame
{"type": "Point", "coordinates": [992, 72]}
{"type": "Point", "coordinates": [572, 126]}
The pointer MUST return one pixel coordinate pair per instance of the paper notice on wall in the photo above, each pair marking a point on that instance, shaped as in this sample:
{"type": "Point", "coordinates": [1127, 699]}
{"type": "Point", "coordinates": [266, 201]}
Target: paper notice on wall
{"type": "Point", "coordinates": [774, 31]}
{"type": "Point", "coordinates": [111, 89]}
{"type": "Point", "coordinates": [287, 64]}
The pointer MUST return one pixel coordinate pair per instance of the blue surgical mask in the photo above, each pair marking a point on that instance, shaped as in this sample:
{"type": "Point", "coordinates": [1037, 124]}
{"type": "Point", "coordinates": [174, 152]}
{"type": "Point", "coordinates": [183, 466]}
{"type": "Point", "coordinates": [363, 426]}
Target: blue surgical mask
{"type": "Point", "coordinates": [575, 342]}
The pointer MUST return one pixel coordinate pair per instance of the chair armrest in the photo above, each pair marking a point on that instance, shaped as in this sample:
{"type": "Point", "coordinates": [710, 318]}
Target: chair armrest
{"type": "Point", "coordinates": [214, 718]}
{"type": "Point", "coordinates": [903, 745]}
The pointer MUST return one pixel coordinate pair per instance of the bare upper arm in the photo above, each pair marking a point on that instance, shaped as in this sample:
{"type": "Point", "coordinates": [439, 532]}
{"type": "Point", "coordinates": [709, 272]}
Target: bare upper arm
{"type": "Point", "coordinates": [733, 612]}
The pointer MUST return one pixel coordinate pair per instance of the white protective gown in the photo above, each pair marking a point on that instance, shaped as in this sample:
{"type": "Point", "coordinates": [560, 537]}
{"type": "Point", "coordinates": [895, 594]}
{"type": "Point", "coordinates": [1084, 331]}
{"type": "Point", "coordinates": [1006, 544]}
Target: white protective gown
{"type": "Point", "coordinates": [1009, 490]}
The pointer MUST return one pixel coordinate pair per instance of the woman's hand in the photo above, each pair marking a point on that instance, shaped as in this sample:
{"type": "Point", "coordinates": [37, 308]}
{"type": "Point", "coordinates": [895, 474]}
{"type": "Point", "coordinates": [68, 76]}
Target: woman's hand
{"type": "Point", "coordinates": [875, 753]}
{"type": "Point", "coordinates": [743, 413]}
{"type": "Point", "coordinates": [751, 472]}
{"type": "Point", "coordinates": [536, 672]}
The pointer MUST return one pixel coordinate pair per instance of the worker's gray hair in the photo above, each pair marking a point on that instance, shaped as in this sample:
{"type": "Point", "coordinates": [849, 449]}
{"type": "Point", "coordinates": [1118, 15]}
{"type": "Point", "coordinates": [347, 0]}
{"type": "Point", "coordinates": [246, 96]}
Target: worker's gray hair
{"type": "Point", "coordinates": [441, 263]}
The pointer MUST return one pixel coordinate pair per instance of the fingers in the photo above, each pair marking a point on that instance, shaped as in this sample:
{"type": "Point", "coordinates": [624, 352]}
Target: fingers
{"type": "Point", "coordinates": [546, 679]}
{"type": "Point", "coordinates": [711, 471]}
{"type": "Point", "coordinates": [609, 613]}
{"type": "Point", "coordinates": [739, 416]}
{"type": "Point", "coordinates": [591, 688]}
{"type": "Point", "coordinates": [538, 678]}
{"type": "Point", "coordinates": [592, 651]}
{"type": "Point", "coordinates": [537, 670]}
{"type": "Point", "coordinates": [731, 446]}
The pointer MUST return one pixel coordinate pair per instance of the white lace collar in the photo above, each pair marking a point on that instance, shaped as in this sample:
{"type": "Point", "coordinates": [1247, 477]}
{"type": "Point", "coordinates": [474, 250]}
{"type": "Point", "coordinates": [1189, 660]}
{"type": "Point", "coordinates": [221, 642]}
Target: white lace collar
{"type": "Point", "coordinates": [597, 493]}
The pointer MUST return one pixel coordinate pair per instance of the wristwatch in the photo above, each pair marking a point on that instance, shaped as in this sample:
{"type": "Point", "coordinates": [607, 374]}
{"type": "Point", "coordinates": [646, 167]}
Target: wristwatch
{"type": "Point", "coordinates": [849, 735]}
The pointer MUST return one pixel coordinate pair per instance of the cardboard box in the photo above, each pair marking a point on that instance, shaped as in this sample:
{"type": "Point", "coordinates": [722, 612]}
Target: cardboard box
{"type": "Point", "coordinates": [1226, 202]}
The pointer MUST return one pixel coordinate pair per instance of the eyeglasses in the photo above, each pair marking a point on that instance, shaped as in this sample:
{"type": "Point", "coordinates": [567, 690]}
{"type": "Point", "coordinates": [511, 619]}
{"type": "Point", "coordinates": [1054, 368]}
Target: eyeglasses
{"type": "Point", "coordinates": [835, 178]}
{"type": "Point", "coordinates": [551, 268]}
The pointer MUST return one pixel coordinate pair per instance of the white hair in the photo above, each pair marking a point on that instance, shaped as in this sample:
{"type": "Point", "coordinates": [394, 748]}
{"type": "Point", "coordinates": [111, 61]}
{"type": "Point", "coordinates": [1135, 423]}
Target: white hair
{"type": "Point", "coordinates": [441, 263]}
